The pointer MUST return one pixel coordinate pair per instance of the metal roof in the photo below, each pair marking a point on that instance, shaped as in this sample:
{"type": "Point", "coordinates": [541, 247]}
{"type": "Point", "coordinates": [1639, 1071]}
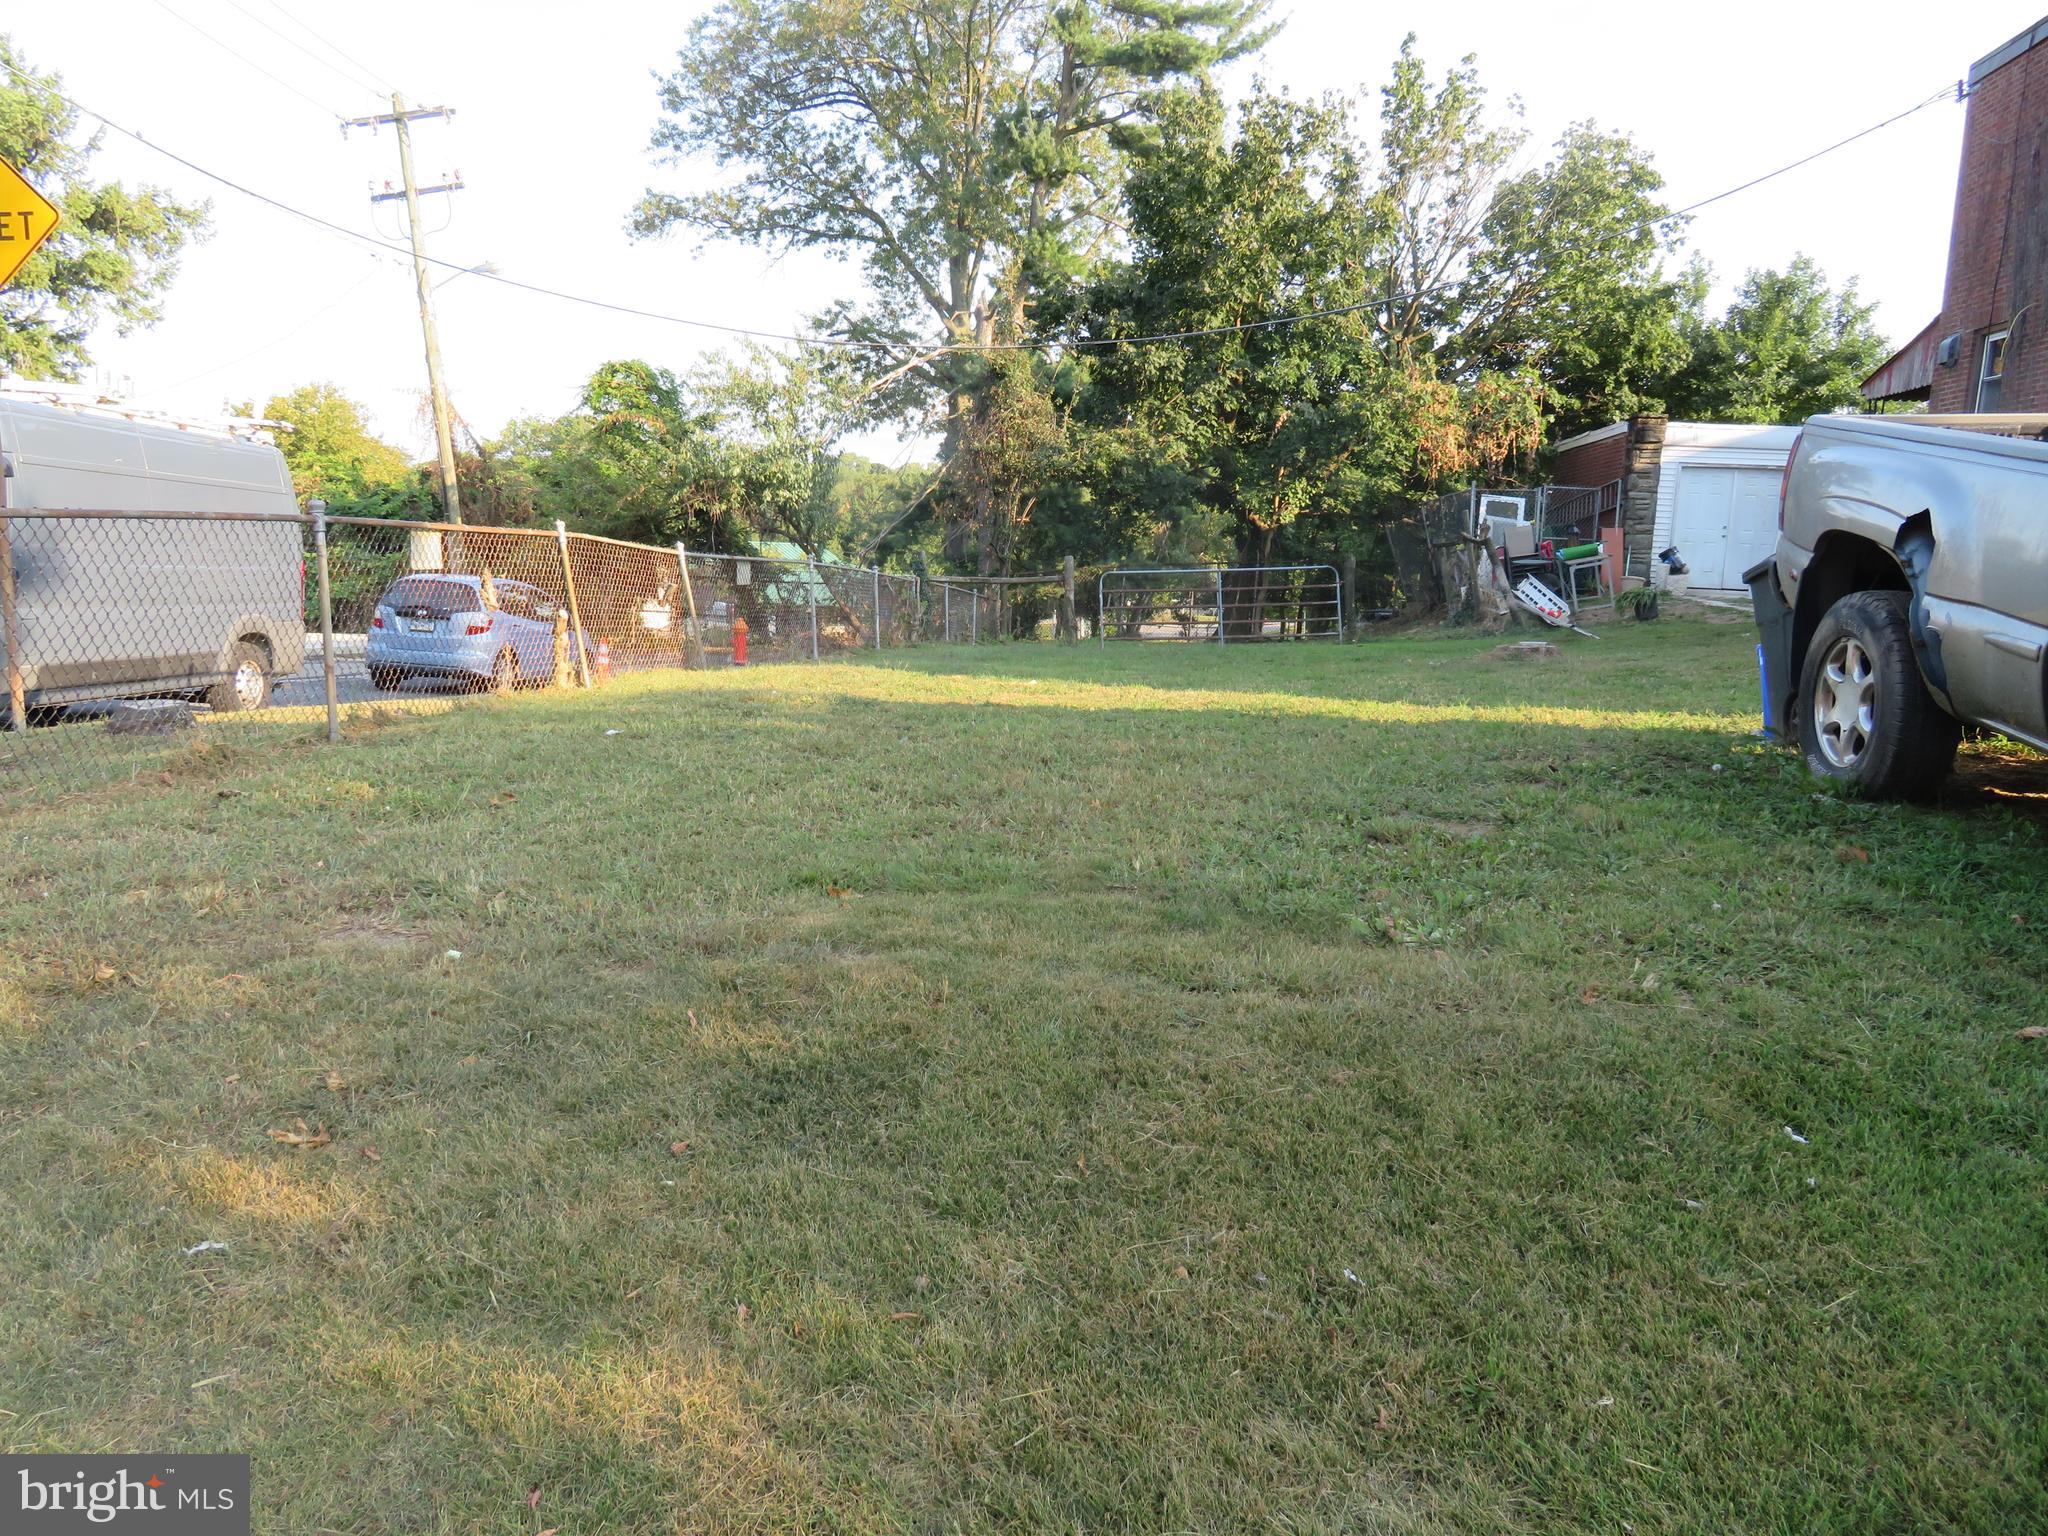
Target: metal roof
{"type": "Point", "coordinates": [2009, 50]}
{"type": "Point", "coordinates": [1908, 373]}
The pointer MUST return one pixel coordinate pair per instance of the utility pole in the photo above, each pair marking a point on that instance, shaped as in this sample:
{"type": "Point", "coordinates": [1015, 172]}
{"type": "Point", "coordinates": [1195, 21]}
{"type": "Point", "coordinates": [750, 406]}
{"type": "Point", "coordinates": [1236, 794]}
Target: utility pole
{"type": "Point", "coordinates": [444, 435]}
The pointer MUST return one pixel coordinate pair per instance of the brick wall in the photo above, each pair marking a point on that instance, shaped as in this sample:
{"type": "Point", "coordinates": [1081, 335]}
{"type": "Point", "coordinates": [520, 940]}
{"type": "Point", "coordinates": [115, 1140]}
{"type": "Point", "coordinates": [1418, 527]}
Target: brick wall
{"type": "Point", "coordinates": [1998, 250]}
{"type": "Point", "coordinates": [1595, 463]}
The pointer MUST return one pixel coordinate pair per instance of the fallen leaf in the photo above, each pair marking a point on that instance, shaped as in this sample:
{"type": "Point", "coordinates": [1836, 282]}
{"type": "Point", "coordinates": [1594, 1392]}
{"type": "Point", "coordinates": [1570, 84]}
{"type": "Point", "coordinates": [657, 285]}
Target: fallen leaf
{"type": "Point", "coordinates": [553, 1530]}
{"type": "Point", "coordinates": [371, 1153]}
{"type": "Point", "coordinates": [503, 797]}
{"type": "Point", "coordinates": [679, 1147]}
{"type": "Point", "coordinates": [104, 973]}
{"type": "Point", "coordinates": [1849, 853]}
{"type": "Point", "coordinates": [924, 1282]}
{"type": "Point", "coordinates": [2032, 1032]}
{"type": "Point", "coordinates": [839, 891]}
{"type": "Point", "coordinates": [1590, 995]}
{"type": "Point", "coordinates": [334, 1081]}
{"type": "Point", "coordinates": [231, 1079]}
{"type": "Point", "coordinates": [693, 1016]}
{"type": "Point", "coordinates": [533, 1497]}
{"type": "Point", "coordinates": [299, 1136]}
{"type": "Point", "coordinates": [905, 1317]}
{"type": "Point", "coordinates": [745, 1311]}
{"type": "Point", "coordinates": [1384, 1421]}
{"type": "Point", "coordinates": [1081, 1162]}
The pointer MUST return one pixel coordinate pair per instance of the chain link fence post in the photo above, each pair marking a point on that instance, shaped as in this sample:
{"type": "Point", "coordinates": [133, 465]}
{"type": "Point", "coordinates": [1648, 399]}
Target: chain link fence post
{"type": "Point", "coordinates": [876, 572]}
{"type": "Point", "coordinates": [1219, 607]}
{"type": "Point", "coordinates": [319, 510]}
{"type": "Point", "coordinates": [811, 568]}
{"type": "Point", "coordinates": [10, 630]}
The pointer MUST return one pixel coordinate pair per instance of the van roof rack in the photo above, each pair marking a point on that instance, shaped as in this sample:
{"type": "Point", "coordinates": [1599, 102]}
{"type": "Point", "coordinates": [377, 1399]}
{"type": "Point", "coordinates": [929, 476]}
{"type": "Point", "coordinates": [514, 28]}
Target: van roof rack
{"type": "Point", "coordinates": [88, 400]}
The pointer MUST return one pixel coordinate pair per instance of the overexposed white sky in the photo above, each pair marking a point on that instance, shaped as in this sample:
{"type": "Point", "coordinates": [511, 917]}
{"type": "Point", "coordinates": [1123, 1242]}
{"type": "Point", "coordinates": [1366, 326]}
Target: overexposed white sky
{"type": "Point", "coordinates": [555, 105]}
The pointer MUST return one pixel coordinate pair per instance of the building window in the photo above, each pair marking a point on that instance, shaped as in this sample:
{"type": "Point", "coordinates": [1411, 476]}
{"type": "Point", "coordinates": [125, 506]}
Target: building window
{"type": "Point", "coordinates": [1991, 377]}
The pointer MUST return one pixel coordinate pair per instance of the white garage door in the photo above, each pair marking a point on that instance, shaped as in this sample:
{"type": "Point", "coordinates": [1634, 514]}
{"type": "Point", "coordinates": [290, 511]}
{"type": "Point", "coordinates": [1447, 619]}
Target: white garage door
{"type": "Point", "coordinates": [1726, 521]}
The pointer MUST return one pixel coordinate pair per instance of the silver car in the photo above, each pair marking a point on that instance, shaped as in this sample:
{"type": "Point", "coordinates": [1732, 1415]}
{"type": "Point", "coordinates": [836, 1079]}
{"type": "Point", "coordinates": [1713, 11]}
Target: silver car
{"type": "Point", "coordinates": [445, 627]}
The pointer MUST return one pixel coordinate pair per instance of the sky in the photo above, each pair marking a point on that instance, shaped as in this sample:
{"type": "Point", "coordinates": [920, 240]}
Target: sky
{"type": "Point", "coordinates": [555, 106]}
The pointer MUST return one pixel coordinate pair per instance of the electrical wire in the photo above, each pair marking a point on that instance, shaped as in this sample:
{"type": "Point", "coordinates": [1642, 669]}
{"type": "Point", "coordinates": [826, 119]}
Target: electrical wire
{"type": "Point", "coordinates": [291, 42]}
{"type": "Point", "coordinates": [224, 48]}
{"type": "Point", "coordinates": [1756, 181]}
{"type": "Point", "coordinates": [383, 85]}
{"type": "Point", "coordinates": [855, 343]}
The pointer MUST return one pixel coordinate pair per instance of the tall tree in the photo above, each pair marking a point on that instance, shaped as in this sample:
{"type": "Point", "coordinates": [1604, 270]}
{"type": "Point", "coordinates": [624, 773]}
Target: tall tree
{"type": "Point", "coordinates": [332, 453]}
{"type": "Point", "coordinates": [1245, 432]}
{"type": "Point", "coordinates": [113, 254]}
{"type": "Point", "coordinates": [1555, 275]}
{"type": "Point", "coordinates": [966, 151]}
{"type": "Point", "coordinates": [1789, 347]}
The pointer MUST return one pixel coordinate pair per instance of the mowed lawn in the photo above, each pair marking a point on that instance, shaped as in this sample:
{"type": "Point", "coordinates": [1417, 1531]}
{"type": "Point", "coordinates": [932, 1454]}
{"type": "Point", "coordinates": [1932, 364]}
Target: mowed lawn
{"type": "Point", "coordinates": [1318, 1089]}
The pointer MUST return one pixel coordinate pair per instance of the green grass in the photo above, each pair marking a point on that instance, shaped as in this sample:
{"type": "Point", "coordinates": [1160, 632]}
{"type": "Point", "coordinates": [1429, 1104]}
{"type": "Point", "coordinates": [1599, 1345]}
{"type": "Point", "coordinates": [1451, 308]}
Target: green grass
{"type": "Point", "coordinates": [1172, 1089]}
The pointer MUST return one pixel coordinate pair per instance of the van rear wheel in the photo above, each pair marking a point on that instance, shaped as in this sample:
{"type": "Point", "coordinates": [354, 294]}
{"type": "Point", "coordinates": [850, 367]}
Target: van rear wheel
{"type": "Point", "coordinates": [248, 680]}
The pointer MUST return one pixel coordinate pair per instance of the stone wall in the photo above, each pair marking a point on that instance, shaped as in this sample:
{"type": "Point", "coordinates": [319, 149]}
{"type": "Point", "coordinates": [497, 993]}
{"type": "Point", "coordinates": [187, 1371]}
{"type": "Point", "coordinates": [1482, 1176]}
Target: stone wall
{"type": "Point", "coordinates": [1639, 489]}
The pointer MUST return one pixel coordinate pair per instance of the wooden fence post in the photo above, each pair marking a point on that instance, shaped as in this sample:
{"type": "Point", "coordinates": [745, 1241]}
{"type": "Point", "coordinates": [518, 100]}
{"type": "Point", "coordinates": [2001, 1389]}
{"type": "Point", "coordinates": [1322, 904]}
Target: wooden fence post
{"type": "Point", "coordinates": [1347, 617]}
{"type": "Point", "coordinates": [1070, 626]}
{"type": "Point", "coordinates": [575, 616]}
{"type": "Point", "coordinates": [693, 650]}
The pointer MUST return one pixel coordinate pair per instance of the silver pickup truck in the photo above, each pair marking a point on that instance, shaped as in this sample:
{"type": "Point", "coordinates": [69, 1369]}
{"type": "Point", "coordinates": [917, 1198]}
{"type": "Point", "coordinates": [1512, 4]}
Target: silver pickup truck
{"type": "Point", "coordinates": [1908, 596]}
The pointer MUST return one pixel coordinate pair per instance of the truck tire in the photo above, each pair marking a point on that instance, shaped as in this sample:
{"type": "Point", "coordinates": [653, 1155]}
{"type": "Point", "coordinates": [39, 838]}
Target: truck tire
{"type": "Point", "coordinates": [1865, 715]}
{"type": "Point", "coordinates": [248, 680]}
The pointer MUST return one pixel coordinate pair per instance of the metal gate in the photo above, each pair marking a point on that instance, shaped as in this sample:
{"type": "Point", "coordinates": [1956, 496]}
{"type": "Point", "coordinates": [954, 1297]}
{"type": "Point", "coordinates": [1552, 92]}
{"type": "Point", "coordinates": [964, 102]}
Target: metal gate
{"type": "Point", "coordinates": [1227, 604]}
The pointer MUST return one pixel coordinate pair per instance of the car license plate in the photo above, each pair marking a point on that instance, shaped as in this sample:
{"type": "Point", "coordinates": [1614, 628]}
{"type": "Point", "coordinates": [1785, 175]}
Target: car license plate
{"type": "Point", "coordinates": [421, 626]}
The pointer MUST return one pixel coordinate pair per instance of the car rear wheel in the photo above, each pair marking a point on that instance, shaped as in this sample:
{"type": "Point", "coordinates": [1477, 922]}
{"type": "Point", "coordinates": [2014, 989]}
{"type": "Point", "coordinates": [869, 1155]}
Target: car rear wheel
{"type": "Point", "coordinates": [248, 680]}
{"type": "Point", "coordinates": [1865, 715]}
{"type": "Point", "coordinates": [389, 679]}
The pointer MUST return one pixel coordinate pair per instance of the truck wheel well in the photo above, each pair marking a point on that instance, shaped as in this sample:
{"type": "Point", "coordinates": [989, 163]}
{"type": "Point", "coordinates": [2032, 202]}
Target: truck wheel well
{"type": "Point", "coordinates": [1842, 563]}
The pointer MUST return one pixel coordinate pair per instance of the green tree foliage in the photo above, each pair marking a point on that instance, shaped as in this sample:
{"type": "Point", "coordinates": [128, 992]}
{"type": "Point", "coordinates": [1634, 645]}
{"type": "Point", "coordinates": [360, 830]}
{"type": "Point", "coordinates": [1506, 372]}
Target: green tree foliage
{"type": "Point", "coordinates": [333, 454]}
{"type": "Point", "coordinates": [1473, 303]}
{"type": "Point", "coordinates": [114, 252]}
{"type": "Point", "coordinates": [1214, 444]}
{"type": "Point", "coordinates": [966, 151]}
{"type": "Point", "coordinates": [1789, 347]}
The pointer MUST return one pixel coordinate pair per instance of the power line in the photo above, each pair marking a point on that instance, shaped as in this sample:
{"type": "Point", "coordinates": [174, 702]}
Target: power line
{"type": "Point", "coordinates": [292, 42]}
{"type": "Point", "coordinates": [278, 79]}
{"type": "Point", "coordinates": [383, 86]}
{"type": "Point", "coordinates": [855, 343]}
{"type": "Point", "coordinates": [1757, 181]}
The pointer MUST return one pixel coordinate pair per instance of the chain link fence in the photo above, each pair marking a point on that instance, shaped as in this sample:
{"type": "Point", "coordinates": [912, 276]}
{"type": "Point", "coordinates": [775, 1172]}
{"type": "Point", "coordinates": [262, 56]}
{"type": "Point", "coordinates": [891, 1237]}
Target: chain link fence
{"type": "Point", "coordinates": [126, 637]}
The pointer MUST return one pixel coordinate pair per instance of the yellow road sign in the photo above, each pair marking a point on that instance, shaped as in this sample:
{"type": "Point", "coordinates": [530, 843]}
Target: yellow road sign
{"type": "Point", "coordinates": [26, 221]}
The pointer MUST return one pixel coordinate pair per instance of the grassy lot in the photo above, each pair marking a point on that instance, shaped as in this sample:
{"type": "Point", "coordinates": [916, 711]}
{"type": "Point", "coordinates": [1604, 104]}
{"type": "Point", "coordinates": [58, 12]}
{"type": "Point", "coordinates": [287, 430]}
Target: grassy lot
{"type": "Point", "coordinates": [1177, 1089]}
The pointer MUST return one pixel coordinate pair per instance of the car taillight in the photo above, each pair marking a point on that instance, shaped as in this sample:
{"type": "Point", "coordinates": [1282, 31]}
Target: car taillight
{"type": "Point", "coordinates": [479, 624]}
{"type": "Point", "coordinates": [1785, 480]}
{"type": "Point", "coordinates": [376, 621]}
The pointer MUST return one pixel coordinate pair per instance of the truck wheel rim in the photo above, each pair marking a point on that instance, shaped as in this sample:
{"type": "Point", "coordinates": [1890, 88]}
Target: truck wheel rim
{"type": "Point", "coordinates": [248, 685]}
{"type": "Point", "coordinates": [1845, 703]}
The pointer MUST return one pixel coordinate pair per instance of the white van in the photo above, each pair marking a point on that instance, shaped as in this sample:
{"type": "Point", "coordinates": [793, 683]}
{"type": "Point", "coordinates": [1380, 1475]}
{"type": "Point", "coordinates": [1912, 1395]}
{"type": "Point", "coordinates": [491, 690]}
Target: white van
{"type": "Point", "coordinates": [111, 608]}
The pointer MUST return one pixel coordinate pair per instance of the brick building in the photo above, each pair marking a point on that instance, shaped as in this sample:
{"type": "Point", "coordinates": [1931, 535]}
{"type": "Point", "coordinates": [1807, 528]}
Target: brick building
{"type": "Point", "coordinates": [1988, 348]}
